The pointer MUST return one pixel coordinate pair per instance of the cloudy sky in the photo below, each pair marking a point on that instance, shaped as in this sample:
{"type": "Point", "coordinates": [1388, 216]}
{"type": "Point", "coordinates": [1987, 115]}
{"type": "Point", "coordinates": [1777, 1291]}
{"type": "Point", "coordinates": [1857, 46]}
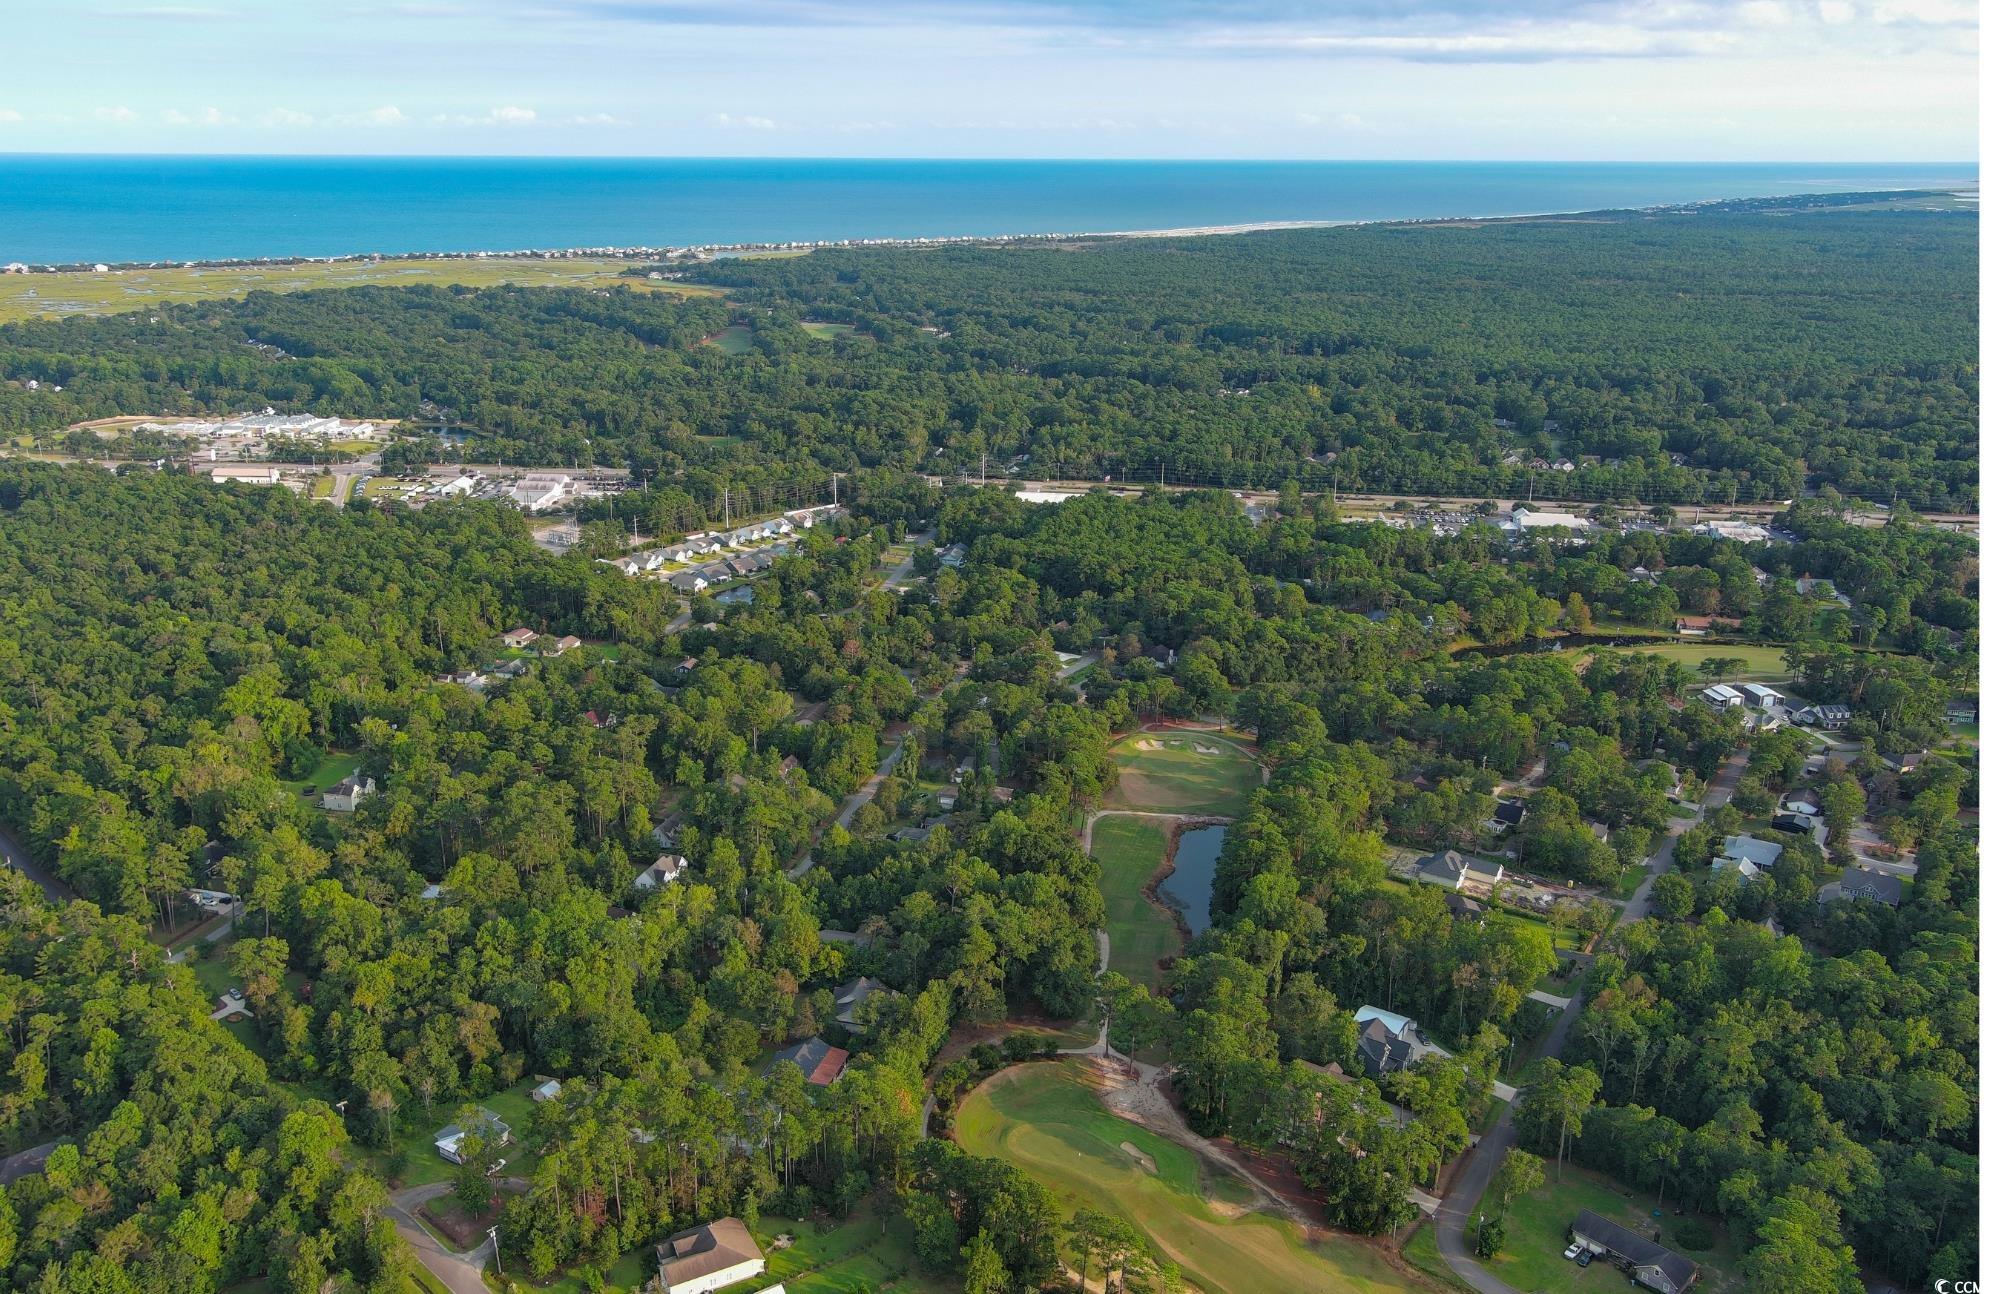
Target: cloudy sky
{"type": "Point", "coordinates": [1810, 80]}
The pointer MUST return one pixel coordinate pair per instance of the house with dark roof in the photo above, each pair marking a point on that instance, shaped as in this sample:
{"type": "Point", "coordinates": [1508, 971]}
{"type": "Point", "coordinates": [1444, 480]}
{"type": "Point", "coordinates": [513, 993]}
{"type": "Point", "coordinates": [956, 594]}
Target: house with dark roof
{"type": "Point", "coordinates": [821, 1061]}
{"type": "Point", "coordinates": [708, 1257]}
{"type": "Point", "coordinates": [1389, 1042]}
{"type": "Point", "coordinates": [1509, 813]}
{"type": "Point", "coordinates": [1649, 1263]}
{"type": "Point", "coordinates": [1464, 909]}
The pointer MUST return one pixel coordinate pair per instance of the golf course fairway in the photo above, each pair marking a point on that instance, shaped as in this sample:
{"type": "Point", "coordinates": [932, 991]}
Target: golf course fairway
{"type": "Point", "coordinates": [1047, 1120]}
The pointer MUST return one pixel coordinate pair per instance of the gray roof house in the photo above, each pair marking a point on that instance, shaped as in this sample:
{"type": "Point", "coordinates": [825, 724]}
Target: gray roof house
{"type": "Point", "coordinates": [1455, 871]}
{"type": "Point", "coordinates": [1749, 849]}
{"type": "Point", "coordinates": [1650, 1264]}
{"type": "Point", "coordinates": [1865, 883]}
{"type": "Point", "coordinates": [847, 999]}
{"type": "Point", "coordinates": [707, 1257]}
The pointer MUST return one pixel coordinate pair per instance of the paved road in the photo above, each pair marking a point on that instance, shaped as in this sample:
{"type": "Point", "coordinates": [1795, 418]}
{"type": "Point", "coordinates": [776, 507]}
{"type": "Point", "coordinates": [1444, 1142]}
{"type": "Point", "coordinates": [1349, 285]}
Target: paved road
{"type": "Point", "coordinates": [852, 805]}
{"type": "Point", "coordinates": [1478, 1167]}
{"type": "Point", "coordinates": [461, 1273]}
{"type": "Point", "coordinates": [15, 855]}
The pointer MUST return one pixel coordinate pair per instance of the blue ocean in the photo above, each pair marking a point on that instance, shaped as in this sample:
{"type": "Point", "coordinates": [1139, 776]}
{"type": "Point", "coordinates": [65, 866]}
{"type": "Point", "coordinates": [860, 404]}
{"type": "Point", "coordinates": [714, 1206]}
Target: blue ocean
{"type": "Point", "coordinates": [57, 209]}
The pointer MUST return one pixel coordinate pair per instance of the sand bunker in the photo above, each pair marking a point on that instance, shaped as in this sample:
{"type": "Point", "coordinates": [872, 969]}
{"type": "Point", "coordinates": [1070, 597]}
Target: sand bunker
{"type": "Point", "coordinates": [1143, 1159]}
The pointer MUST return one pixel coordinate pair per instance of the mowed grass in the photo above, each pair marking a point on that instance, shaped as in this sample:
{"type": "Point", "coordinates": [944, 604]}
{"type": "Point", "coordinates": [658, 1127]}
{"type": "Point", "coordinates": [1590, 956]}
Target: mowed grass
{"type": "Point", "coordinates": [869, 1251]}
{"type": "Point", "coordinates": [330, 769]}
{"type": "Point", "coordinates": [28, 296]}
{"type": "Point", "coordinates": [1761, 664]}
{"type": "Point", "coordinates": [1182, 772]}
{"type": "Point", "coordinates": [413, 1159]}
{"type": "Point", "coordinates": [1128, 852]}
{"type": "Point", "coordinates": [830, 330]}
{"type": "Point", "coordinates": [1046, 1119]}
{"type": "Point", "coordinates": [733, 340]}
{"type": "Point", "coordinates": [1538, 1232]}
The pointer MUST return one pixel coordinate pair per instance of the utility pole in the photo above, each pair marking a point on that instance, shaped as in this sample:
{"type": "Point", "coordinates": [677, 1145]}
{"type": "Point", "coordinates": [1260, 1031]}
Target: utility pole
{"type": "Point", "coordinates": [493, 1234]}
{"type": "Point", "coordinates": [836, 489]}
{"type": "Point", "coordinates": [982, 469]}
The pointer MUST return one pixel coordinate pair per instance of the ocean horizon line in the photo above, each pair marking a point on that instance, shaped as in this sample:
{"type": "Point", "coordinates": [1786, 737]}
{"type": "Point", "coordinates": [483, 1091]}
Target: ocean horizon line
{"type": "Point", "coordinates": [156, 209]}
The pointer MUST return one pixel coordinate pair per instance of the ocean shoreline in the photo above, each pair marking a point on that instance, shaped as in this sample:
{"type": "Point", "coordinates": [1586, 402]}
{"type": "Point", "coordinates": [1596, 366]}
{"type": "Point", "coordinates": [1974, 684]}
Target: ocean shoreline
{"type": "Point", "coordinates": [640, 253]}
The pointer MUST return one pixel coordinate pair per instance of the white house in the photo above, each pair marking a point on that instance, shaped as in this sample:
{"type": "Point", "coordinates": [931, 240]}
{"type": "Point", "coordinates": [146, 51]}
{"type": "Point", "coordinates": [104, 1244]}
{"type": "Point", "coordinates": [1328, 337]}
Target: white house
{"type": "Point", "coordinates": [1721, 696]}
{"type": "Point", "coordinates": [665, 870]}
{"type": "Point", "coordinates": [247, 475]}
{"type": "Point", "coordinates": [1744, 869]}
{"type": "Point", "coordinates": [538, 493]}
{"type": "Point", "coordinates": [548, 1091]}
{"type": "Point", "coordinates": [708, 1257]}
{"type": "Point", "coordinates": [1455, 871]}
{"type": "Point", "coordinates": [346, 794]}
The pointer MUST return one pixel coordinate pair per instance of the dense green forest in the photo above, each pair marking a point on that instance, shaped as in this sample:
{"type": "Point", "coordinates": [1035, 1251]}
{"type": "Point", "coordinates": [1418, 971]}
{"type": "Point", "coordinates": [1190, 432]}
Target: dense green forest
{"type": "Point", "coordinates": [175, 657]}
{"type": "Point", "coordinates": [1705, 355]}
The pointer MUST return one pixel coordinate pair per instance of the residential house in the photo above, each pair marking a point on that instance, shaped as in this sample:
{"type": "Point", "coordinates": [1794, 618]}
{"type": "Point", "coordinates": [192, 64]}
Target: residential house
{"type": "Point", "coordinates": [847, 999]}
{"type": "Point", "coordinates": [346, 794]}
{"type": "Point", "coordinates": [708, 1257]}
{"type": "Point", "coordinates": [1832, 716]}
{"type": "Point", "coordinates": [1806, 802]}
{"type": "Point", "coordinates": [953, 557]}
{"type": "Point", "coordinates": [687, 581]}
{"type": "Point", "coordinates": [1749, 849]}
{"type": "Point", "coordinates": [548, 1091]}
{"type": "Point", "coordinates": [1797, 824]}
{"type": "Point", "coordinates": [1647, 1262]}
{"type": "Point", "coordinates": [515, 639]}
{"type": "Point", "coordinates": [821, 1061]}
{"type": "Point", "coordinates": [1865, 883]}
{"type": "Point", "coordinates": [1456, 871]}
{"type": "Point", "coordinates": [566, 643]}
{"type": "Point", "coordinates": [664, 870]}
{"type": "Point", "coordinates": [1745, 871]}
{"type": "Point", "coordinates": [487, 1127]}
{"type": "Point", "coordinates": [1507, 814]}
{"type": "Point", "coordinates": [1389, 1042]}
{"type": "Point", "coordinates": [1464, 909]}
{"type": "Point", "coordinates": [686, 666]}
{"type": "Point", "coordinates": [1909, 760]}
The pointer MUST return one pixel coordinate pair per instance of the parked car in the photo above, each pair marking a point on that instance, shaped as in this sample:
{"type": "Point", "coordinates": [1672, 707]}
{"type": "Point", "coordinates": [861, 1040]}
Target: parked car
{"type": "Point", "coordinates": [1575, 1248]}
{"type": "Point", "coordinates": [1583, 1259]}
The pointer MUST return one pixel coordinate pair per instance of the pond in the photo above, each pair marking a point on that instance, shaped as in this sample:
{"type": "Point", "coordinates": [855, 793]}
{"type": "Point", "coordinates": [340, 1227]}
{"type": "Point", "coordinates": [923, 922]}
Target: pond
{"type": "Point", "coordinates": [1191, 883]}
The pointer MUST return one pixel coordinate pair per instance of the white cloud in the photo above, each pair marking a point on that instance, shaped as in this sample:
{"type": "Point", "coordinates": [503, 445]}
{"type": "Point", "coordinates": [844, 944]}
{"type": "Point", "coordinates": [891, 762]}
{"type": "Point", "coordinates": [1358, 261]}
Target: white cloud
{"type": "Point", "coordinates": [386, 115]}
{"type": "Point", "coordinates": [285, 118]}
{"type": "Point", "coordinates": [9, 116]}
{"type": "Point", "coordinates": [1339, 121]}
{"type": "Point", "coordinates": [120, 114]}
{"type": "Point", "coordinates": [505, 116]}
{"type": "Point", "coordinates": [1836, 12]}
{"type": "Point", "coordinates": [210, 116]}
{"type": "Point", "coordinates": [595, 119]}
{"type": "Point", "coordinates": [727, 122]}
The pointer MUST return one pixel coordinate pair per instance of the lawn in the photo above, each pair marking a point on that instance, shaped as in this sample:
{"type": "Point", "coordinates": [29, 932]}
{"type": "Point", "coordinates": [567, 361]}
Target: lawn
{"type": "Point", "coordinates": [1538, 1231]}
{"type": "Point", "coordinates": [1421, 1252]}
{"type": "Point", "coordinates": [831, 330]}
{"type": "Point", "coordinates": [26, 296]}
{"type": "Point", "coordinates": [1183, 772]}
{"type": "Point", "coordinates": [1762, 664]}
{"type": "Point", "coordinates": [331, 768]}
{"type": "Point", "coordinates": [869, 1251]}
{"type": "Point", "coordinates": [733, 340]}
{"type": "Point", "coordinates": [413, 1160]}
{"type": "Point", "coordinates": [1046, 1119]}
{"type": "Point", "coordinates": [1128, 852]}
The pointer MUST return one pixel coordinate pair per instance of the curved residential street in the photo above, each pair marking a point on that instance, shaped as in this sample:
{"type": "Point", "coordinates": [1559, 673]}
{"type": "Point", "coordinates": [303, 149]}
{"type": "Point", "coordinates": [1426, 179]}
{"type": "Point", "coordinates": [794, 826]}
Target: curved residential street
{"type": "Point", "coordinates": [1477, 1167]}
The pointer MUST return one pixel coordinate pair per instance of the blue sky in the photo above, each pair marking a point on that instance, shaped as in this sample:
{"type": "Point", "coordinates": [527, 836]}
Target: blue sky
{"type": "Point", "coordinates": [1818, 80]}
